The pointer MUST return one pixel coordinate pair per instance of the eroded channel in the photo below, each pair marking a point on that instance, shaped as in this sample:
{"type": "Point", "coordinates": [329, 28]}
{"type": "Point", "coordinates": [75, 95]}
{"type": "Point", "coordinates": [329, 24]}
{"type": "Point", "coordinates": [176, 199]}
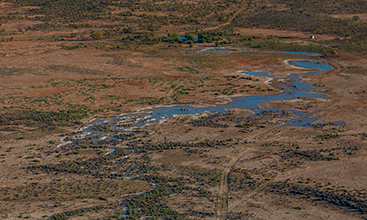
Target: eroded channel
{"type": "Point", "coordinates": [111, 130]}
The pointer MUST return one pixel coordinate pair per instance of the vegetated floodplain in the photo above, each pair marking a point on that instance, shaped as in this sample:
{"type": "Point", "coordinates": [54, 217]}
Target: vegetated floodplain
{"type": "Point", "coordinates": [182, 110]}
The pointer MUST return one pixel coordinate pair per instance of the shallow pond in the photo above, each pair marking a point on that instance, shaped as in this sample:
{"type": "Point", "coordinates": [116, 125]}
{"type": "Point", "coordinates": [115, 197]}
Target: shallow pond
{"type": "Point", "coordinates": [294, 88]}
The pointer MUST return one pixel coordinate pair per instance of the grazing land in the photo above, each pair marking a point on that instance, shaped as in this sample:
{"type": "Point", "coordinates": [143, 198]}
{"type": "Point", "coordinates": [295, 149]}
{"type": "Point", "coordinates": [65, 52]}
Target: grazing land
{"type": "Point", "coordinates": [102, 109]}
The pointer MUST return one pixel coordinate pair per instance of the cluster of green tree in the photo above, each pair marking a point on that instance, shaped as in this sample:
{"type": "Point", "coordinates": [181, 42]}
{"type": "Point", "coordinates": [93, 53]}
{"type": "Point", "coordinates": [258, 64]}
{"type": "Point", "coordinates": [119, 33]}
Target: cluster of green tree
{"type": "Point", "coordinates": [150, 100]}
{"type": "Point", "coordinates": [201, 214]}
{"type": "Point", "coordinates": [59, 189]}
{"type": "Point", "coordinates": [81, 10]}
{"type": "Point", "coordinates": [294, 20]}
{"type": "Point", "coordinates": [202, 37]}
{"type": "Point", "coordinates": [12, 17]}
{"type": "Point", "coordinates": [144, 38]}
{"type": "Point", "coordinates": [194, 10]}
{"type": "Point", "coordinates": [353, 201]}
{"type": "Point", "coordinates": [326, 136]}
{"type": "Point", "coordinates": [67, 10]}
{"type": "Point", "coordinates": [175, 145]}
{"type": "Point", "coordinates": [57, 26]}
{"type": "Point", "coordinates": [217, 36]}
{"type": "Point", "coordinates": [66, 215]}
{"type": "Point", "coordinates": [210, 177]}
{"type": "Point", "coordinates": [242, 180]}
{"type": "Point", "coordinates": [152, 203]}
{"type": "Point", "coordinates": [81, 45]}
{"type": "Point", "coordinates": [201, 192]}
{"type": "Point", "coordinates": [186, 69]}
{"type": "Point", "coordinates": [85, 15]}
{"type": "Point", "coordinates": [38, 118]}
{"type": "Point", "coordinates": [308, 155]}
{"type": "Point", "coordinates": [188, 38]}
{"type": "Point", "coordinates": [89, 143]}
{"type": "Point", "coordinates": [157, 20]}
{"type": "Point", "coordinates": [353, 44]}
{"type": "Point", "coordinates": [327, 7]}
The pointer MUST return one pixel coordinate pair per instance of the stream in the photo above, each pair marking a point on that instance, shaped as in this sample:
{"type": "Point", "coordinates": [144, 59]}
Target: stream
{"type": "Point", "coordinates": [294, 88]}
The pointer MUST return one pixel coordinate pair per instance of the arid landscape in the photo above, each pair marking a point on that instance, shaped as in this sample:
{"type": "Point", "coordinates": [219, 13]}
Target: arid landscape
{"type": "Point", "coordinates": [193, 109]}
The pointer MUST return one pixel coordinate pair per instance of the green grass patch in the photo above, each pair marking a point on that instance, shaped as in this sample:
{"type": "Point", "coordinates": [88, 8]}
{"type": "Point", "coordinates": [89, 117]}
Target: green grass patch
{"type": "Point", "coordinates": [187, 69]}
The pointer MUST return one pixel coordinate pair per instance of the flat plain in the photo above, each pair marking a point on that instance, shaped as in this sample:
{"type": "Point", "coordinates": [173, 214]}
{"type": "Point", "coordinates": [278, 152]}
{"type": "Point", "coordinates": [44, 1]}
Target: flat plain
{"type": "Point", "coordinates": [79, 80]}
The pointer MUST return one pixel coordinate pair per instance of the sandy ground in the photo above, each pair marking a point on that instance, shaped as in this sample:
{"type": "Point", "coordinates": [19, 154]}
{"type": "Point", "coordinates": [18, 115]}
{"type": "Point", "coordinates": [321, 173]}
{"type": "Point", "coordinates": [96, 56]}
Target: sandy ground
{"type": "Point", "coordinates": [39, 75]}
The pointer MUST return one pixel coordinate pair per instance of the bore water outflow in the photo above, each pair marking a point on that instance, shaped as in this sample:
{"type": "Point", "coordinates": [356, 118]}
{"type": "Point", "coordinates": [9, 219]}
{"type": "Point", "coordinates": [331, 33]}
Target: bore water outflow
{"type": "Point", "coordinates": [293, 89]}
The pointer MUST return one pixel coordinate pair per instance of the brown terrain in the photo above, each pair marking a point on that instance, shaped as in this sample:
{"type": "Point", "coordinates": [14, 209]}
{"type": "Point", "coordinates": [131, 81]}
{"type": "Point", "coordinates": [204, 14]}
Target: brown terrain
{"type": "Point", "coordinates": [71, 146]}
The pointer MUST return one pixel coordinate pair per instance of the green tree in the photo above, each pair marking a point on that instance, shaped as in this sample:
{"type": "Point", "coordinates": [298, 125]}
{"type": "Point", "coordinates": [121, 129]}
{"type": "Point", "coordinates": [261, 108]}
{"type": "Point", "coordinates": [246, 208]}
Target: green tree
{"type": "Point", "coordinates": [107, 33]}
{"type": "Point", "coordinates": [95, 35]}
{"type": "Point", "coordinates": [174, 36]}
{"type": "Point", "coordinates": [130, 30]}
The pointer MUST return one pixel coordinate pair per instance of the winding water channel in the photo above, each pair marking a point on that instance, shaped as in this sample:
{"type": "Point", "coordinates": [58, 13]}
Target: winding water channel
{"type": "Point", "coordinates": [293, 88]}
